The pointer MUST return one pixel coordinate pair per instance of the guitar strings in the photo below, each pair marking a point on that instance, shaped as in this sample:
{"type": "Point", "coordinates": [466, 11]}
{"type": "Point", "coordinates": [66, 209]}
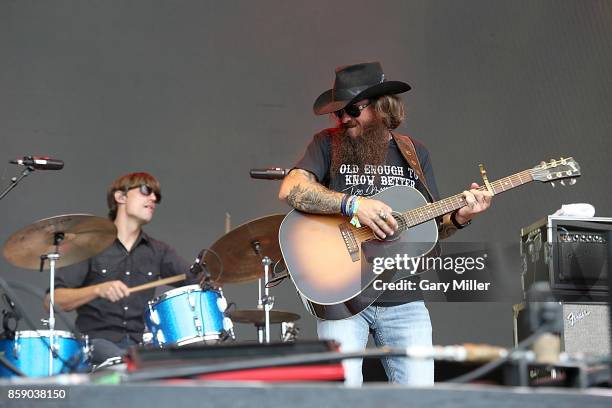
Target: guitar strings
{"type": "Point", "coordinates": [418, 216]}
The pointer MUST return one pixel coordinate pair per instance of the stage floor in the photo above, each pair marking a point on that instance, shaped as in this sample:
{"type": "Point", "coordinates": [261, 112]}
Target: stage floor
{"type": "Point", "coordinates": [302, 395]}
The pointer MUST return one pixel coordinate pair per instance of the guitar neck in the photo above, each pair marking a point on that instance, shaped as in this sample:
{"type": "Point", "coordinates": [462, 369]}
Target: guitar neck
{"type": "Point", "coordinates": [432, 210]}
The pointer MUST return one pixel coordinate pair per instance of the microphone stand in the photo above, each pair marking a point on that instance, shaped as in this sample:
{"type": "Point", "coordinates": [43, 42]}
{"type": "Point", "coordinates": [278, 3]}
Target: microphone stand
{"type": "Point", "coordinates": [15, 180]}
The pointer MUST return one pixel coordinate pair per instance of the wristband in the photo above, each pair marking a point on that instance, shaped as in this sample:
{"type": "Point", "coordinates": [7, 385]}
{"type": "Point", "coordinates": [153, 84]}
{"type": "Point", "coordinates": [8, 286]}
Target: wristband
{"type": "Point", "coordinates": [343, 205]}
{"type": "Point", "coordinates": [355, 208]}
{"type": "Point", "coordinates": [350, 206]}
{"type": "Point", "coordinates": [456, 223]}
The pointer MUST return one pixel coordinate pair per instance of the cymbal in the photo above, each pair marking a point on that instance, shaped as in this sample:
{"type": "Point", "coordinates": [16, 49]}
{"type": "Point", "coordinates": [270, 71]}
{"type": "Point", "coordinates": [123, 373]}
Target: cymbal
{"type": "Point", "coordinates": [85, 235]}
{"type": "Point", "coordinates": [242, 249]}
{"type": "Point", "coordinates": [257, 316]}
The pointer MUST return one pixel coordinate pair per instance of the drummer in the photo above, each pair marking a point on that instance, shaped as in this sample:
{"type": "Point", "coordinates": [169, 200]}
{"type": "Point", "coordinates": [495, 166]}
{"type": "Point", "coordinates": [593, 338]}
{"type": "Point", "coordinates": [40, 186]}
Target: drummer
{"type": "Point", "coordinates": [98, 287]}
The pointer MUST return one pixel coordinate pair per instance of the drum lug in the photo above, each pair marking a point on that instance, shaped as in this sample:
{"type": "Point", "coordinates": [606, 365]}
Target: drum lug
{"type": "Point", "coordinates": [222, 304]}
{"type": "Point", "coordinates": [56, 346]}
{"type": "Point", "coordinates": [198, 324]}
{"type": "Point", "coordinates": [191, 300]}
{"type": "Point", "coordinates": [161, 339]}
{"type": "Point", "coordinates": [153, 315]}
{"type": "Point", "coordinates": [147, 338]}
{"type": "Point", "coordinates": [16, 346]}
{"type": "Point", "coordinates": [228, 326]}
{"type": "Point", "coordinates": [87, 349]}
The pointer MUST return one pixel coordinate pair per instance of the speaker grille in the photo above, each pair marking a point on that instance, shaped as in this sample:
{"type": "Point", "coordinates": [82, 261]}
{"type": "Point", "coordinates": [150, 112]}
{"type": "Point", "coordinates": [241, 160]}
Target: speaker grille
{"type": "Point", "coordinates": [586, 329]}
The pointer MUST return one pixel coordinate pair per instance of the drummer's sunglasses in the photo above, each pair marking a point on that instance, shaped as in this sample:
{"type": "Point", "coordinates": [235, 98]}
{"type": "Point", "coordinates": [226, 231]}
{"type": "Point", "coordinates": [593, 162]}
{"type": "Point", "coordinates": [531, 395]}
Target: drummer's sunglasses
{"type": "Point", "coordinates": [352, 110]}
{"type": "Point", "coordinates": [146, 191]}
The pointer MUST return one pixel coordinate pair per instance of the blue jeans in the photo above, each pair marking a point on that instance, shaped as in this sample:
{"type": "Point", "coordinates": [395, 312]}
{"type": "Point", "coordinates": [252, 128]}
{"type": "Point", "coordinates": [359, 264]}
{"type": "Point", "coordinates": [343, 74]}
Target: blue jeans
{"type": "Point", "coordinates": [395, 326]}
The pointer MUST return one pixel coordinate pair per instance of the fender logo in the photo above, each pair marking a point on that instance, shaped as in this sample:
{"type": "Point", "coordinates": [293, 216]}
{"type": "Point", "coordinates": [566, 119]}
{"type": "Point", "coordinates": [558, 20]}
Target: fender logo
{"type": "Point", "coordinates": [573, 319]}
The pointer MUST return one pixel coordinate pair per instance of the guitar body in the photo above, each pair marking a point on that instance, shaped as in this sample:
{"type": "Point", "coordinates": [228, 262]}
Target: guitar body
{"type": "Point", "coordinates": [330, 261]}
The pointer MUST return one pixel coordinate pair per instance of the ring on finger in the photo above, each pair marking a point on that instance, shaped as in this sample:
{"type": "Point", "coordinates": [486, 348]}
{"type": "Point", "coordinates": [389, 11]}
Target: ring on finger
{"type": "Point", "coordinates": [383, 215]}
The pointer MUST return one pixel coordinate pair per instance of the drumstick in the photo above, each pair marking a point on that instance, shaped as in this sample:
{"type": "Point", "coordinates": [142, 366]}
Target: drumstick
{"type": "Point", "coordinates": [157, 283]}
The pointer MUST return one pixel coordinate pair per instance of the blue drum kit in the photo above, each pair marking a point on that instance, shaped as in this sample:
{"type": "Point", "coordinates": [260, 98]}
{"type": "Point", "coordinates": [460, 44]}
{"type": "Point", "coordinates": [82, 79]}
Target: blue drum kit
{"type": "Point", "coordinates": [202, 316]}
{"type": "Point", "coordinates": [178, 317]}
{"type": "Point", "coordinates": [29, 351]}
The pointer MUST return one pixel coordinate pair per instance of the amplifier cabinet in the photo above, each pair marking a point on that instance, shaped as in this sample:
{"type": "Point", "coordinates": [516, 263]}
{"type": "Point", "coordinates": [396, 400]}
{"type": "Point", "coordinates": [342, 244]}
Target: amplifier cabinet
{"type": "Point", "coordinates": [586, 328]}
{"type": "Point", "coordinates": [570, 254]}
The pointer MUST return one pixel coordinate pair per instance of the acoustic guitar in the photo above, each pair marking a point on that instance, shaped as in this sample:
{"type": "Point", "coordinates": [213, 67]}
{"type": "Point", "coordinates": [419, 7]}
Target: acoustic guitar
{"type": "Point", "coordinates": [331, 262]}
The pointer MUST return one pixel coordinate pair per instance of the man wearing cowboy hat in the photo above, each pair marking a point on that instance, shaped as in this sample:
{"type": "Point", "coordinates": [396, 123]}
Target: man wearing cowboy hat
{"type": "Point", "coordinates": [361, 156]}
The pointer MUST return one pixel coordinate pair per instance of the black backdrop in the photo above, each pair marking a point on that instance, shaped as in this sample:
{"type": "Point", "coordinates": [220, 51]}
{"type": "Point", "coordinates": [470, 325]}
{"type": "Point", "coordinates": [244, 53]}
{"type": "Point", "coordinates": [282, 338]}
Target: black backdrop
{"type": "Point", "coordinates": [198, 92]}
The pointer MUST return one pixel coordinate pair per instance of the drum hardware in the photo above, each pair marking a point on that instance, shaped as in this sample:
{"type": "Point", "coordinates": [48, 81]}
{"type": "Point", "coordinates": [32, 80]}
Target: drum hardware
{"type": "Point", "coordinates": [245, 254]}
{"type": "Point", "coordinates": [233, 258]}
{"type": "Point", "coordinates": [147, 337]}
{"type": "Point", "coordinates": [279, 273]}
{"type": "Point", "coordinates": [10, 318]}
{"type": "Point", "coordinates": [53, 258]}
{"type": "Point", "coordinates": [153, 313]}
{"type": "Point", "coordinates": [87, 348]}
{"type": "Point", "coordinates": [198, 325]}
{"type": "Point", "coordinates": [110, 363]}
{"type": "Point", "coordinates": [16, 345]}
{"type": "Point", "coordinates": [266, 301]}
{"type": "Point", "coordinates": [228, 325]}
{"type": "Point", "coordinates": [191, 300]}
{"type": "Point", "coordinates": [28, 350]}
{"type": "Point", "coordinates": [62, 241]}
{"type": "Point", "coordinates": [84, 236]}
{"type": "Point", "coordinates": [161, 339]}
{"type": "Point", "coordinates": [186, 315]}
{"type": "Point", "coordinates": [257, 317]}
{"type": "Point", "coordinates": [289, 332]}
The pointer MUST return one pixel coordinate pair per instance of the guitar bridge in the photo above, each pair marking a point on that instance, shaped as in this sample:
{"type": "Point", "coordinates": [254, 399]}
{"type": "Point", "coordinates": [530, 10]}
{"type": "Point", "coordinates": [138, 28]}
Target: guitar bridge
{"type": "Point", "coordinates": [349, 240]}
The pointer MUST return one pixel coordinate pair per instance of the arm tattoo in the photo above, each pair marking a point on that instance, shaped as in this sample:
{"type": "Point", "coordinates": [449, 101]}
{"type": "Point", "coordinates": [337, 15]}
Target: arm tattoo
{"type": "Point", "coordinates": [313, 198]}
{"type": "Point", "coordinates": [306, 174]}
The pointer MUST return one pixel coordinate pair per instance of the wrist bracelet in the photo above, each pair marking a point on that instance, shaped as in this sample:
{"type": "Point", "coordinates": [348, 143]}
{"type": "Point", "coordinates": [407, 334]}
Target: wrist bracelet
{"type": "Point", "coordinates": [456, 223]}
{"type": "Point", "coordinates": [343, 205]}
{"type": "Point", "coordinates": [350, 205]}
{"type": "Point", "coordinates": [354, 209]}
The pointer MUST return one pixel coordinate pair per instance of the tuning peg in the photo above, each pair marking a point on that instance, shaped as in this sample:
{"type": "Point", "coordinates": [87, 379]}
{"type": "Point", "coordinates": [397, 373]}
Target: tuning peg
{"type": "Point", "coordinates": [552, 183]}
{"type": "Point", "coordinates": [562, 182]}
{"type": "Point", "coordinates": [572, 181]}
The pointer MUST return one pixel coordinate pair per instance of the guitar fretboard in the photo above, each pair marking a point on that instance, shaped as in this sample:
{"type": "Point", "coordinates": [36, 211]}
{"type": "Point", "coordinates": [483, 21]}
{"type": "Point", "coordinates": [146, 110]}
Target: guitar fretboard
{"type": "Point", "coordinates": [432, 210]}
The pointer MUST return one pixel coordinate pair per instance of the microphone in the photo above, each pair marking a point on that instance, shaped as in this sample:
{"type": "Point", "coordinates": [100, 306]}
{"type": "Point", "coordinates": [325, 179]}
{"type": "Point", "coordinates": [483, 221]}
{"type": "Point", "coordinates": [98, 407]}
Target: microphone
{"type": "Point", "coordinates": [197, 266]}
{"type": "Point", "coordinates": [275, 173]}
{"type": "Point", "coordinates": [39, 163]}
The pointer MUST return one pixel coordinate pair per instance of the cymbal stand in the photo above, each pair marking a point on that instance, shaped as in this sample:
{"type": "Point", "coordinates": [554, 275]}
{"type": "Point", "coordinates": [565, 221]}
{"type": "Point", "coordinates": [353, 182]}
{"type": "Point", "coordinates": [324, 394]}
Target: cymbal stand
{"type": "Point", "coordinates": [265, 302]}
{"type": "Point", "coordinates": [53, 257]}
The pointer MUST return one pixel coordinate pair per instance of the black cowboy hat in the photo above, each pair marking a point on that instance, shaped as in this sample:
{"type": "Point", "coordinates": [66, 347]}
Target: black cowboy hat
{"type": "Point", "coordinates": [356, 82]}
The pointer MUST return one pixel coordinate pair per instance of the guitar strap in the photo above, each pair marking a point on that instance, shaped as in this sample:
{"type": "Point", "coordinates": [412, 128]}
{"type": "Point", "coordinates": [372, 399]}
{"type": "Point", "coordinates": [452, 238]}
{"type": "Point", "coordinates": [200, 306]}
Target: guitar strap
{"type": "Point", "coordinates": [406, 147]}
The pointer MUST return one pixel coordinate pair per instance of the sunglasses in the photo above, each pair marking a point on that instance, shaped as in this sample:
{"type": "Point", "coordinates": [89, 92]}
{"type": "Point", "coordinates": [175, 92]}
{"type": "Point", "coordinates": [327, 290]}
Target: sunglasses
{"type": "Point", "coordinates": [146, 191]}
{"type": "Point", "coordinates": [352, 110]}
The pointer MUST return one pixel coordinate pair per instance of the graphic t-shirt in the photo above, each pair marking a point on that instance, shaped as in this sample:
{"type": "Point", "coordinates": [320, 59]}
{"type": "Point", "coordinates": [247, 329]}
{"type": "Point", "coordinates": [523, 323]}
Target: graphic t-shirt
{"type": "Point", "coordinates": [369, 180]}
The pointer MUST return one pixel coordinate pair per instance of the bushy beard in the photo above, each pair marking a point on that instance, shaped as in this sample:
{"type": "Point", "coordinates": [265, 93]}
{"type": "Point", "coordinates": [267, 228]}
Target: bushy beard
{"type": "Point", "coordinates": [370, 147]}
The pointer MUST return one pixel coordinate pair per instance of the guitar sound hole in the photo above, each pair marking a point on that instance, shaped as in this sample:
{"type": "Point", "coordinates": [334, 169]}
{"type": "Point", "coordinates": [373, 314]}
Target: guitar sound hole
{"type": "Point", "coordinates": [401, 223]}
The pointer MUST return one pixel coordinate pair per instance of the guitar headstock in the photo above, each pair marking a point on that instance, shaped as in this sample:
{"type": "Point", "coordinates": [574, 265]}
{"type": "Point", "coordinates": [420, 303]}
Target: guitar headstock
{"type": "Point", "coordinates": [554, 170]}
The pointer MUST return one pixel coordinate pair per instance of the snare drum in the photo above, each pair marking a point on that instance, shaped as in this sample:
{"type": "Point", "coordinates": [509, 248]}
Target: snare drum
{"type": "Point", "coordinates": [29, 352]}
{"type": "Point", "coordinates": [187, 315]}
